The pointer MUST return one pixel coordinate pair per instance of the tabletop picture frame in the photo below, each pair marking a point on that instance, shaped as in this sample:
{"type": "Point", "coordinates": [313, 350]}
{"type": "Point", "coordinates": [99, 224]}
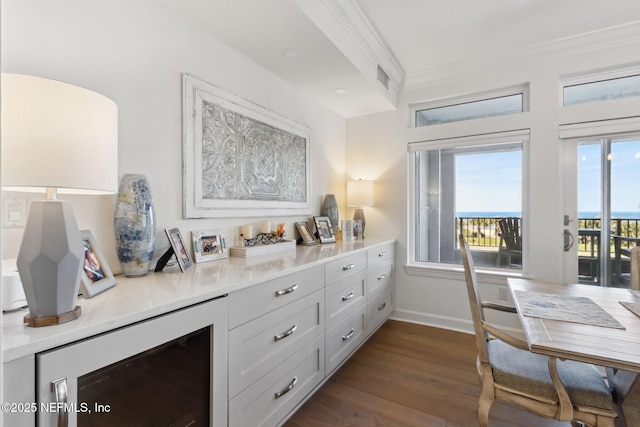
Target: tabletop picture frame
{"type": "Point", "coordinates": [96, 274]}
{"type": "Point", "coordinates": [209, 245]}
{"type": "Point", "coordinates": [179, 248]}
{"type": "Point", "coordinates": [307, 237]}
{"type": "Point", "coordinates": [325, 229]}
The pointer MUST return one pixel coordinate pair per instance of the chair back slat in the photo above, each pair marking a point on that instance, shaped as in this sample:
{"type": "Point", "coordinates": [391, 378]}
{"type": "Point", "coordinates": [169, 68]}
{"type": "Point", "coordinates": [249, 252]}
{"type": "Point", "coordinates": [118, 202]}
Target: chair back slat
{"type": "Point", "coordinates": [475, 301]}
{"type": "Point", "coordinates": [510, 233]}
{"type": "Point", "coordinates": [635, 268]}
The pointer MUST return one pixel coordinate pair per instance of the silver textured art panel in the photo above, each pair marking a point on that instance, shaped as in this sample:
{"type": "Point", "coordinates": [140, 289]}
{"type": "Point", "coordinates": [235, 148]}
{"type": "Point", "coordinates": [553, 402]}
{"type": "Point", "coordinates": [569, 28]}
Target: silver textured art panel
{"type": "Point", "coordinates": [241, 159]}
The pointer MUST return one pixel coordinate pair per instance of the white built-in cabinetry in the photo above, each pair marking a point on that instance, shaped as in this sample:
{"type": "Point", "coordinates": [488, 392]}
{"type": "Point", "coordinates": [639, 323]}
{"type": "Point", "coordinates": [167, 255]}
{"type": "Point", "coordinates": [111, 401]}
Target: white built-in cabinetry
{"type": "Point", "coordinates": [287, 335]}
{"type": "Point", "coordinates": [293, 319]}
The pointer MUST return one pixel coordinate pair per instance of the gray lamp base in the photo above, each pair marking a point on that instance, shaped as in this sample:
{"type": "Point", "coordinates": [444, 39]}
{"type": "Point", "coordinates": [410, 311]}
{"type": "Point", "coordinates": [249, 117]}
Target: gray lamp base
{"type": "Point", "coordinates": [50, 260]}
{"type": "Point", "coordinates": [358, 215]}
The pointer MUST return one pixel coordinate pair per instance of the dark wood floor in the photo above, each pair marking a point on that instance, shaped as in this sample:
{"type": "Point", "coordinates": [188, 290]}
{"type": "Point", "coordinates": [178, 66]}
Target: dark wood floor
{"type": "Point", "coordinates": [408, 375]}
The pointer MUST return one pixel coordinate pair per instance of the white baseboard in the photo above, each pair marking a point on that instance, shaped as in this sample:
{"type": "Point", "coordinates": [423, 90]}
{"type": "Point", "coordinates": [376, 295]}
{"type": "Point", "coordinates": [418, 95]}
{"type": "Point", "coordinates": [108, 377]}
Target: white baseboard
{"type": "Point", "coordinates": [444, 322]}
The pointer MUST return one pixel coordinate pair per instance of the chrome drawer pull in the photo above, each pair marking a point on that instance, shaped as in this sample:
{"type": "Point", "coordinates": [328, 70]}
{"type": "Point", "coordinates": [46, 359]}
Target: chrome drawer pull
{"type": "Point", "coordinates": [349, 335]}
{"type": "Point", "coordinates": [382, 276]}
{"type": "Point", "coordinates": [348, 297]}
{"type": "Point", "coordinates": [288, 389]}
{"type": "Point", "coordinates": [286, 291]}
{"type": "Point", "coordinates": [59, 387]}
{"type": "Point", "coordinates": [348, 267]}
{"type": "Point", "coordinates": [283, 335]}
{"type": "Point", "coordinates": [384, 304]}
{"type": "Point", "coordinates": [382, 254]}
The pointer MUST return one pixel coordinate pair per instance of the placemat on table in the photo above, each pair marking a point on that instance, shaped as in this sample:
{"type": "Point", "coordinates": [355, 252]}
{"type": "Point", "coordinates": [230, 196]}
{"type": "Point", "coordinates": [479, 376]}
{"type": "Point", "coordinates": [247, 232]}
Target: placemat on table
{"type": "Point", "coordinates": [633, 307]}
{"type": "Point", "coordinates": [566, 308]}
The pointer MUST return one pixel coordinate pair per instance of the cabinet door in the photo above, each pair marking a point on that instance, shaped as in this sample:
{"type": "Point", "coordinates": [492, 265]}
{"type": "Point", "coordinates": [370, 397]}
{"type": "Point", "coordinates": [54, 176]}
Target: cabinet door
{"type": "Point", "coordinates": [344, 338]}
{"type": "Point", "coordinates": [59, 370]}
{"type": "Point", "coordinates": [346, 266]}
{"type": "Point", "coordinates": [258, 346]}
{"type": "Point", "coordinates": [380, 253]}
{"type": "Point", "coordinates": [252, 302]}
{"type": "Point", "coordinates": [380, 277]}
{"type": "Point", "coordinates": [379, 309]}
{"type": "Point", "coordinates": [343, 297]}
{"type": "Point", "coordinates": [268, 401]}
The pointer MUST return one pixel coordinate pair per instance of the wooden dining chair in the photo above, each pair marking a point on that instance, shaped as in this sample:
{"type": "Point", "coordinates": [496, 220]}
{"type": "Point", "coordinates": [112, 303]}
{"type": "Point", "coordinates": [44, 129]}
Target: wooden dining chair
{"type": "Point", "coordinates": [635, 268]}
{"type": "Point", "coordinates": [563, 390]}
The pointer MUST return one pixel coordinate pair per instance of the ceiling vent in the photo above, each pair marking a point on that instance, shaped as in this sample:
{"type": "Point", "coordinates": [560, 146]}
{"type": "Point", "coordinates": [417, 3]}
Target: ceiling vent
{"type": "Point", "coordinates": [383, 77]}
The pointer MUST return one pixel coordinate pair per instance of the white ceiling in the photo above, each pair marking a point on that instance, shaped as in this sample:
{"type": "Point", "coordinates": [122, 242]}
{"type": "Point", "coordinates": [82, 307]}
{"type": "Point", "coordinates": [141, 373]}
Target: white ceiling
{"type": "Point", "coordinates": [415, 41]}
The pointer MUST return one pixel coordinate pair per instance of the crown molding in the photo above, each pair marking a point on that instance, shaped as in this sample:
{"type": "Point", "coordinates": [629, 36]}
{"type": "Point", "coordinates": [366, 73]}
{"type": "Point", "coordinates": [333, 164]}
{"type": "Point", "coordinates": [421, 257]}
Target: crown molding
{"type": "Point", "coordinates": [582, 44]}
{"type": "Point", "coordinates": [346, 25]}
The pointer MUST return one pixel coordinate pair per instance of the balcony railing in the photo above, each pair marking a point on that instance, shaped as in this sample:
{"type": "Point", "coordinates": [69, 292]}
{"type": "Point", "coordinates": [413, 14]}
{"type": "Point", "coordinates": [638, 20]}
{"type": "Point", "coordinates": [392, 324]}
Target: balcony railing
{"type": "Point", "coordinates": [483, 234]}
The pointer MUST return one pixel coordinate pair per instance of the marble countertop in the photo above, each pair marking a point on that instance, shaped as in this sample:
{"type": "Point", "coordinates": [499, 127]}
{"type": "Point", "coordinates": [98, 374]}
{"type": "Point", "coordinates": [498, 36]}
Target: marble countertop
{"type": "Point", "coordinates": [136, 299]}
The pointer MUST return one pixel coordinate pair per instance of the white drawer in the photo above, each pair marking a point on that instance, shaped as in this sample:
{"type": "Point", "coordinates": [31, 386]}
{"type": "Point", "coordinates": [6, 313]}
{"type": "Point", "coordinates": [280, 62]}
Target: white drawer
{"type": "Point", "coordinates": [379, 309]}
{"type": "Point", "coordinates": [257, 347]}
{"type": "Point", "coordinates": [380, 254]}
{"type": "Point", "coordinates": [258, 405]}
{"type": "Point", "coordinates": [255, 301]}
{"type": "Point", "coordinates": [344, 297]}
{"type": "Point", "coordinates": [379, 277]}
{"type": "Point", "coordinates": [344, 338]}
{"type": "Point", "coordinates": [345, 266]}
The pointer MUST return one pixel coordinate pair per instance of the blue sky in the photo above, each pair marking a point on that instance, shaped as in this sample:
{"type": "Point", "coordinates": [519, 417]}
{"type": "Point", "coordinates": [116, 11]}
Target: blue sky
{"type": "Point", "coordinates": [625, 175]}
{"type": "Point", "coordinates": [491, 182]}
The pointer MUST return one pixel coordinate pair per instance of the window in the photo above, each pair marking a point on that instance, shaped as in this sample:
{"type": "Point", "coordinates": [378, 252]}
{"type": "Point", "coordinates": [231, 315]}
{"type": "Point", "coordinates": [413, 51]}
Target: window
{"type": "Point", "coordinates": [601, 90]}
{"type": "Point", "coordinates": [498, 102]}
{"type": "Point", "coordinates": [469, 185]}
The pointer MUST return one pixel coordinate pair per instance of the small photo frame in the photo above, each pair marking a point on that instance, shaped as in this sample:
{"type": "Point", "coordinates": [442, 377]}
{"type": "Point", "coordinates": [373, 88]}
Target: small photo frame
{"type": "Point", "coordinates": [325, 230]}
{"type": "Point", "coordinates": [179, 249]}
{"type": "Point", "coordinates": [357, 229]}
{"type": "Point", "coordinates": [347, 229]}
{"type": "Point", "coordinates": [96, 274]}
{"type": "Point", "coordinates": [305, 234]}
{"type": "Point", "coordinates": [209, 245]}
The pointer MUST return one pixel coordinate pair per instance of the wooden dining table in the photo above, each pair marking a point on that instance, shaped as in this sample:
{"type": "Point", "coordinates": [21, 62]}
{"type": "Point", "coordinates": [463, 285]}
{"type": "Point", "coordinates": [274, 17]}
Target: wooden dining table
{"type": "Point", "coordinates": [616, 347]}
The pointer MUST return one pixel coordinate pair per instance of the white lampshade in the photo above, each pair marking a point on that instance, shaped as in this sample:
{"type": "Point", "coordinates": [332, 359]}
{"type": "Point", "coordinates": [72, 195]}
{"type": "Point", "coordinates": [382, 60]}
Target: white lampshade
{"type": "Point", "coordinates": [360, 193]}
{"type": "Point", "coordinates": [57, 135]}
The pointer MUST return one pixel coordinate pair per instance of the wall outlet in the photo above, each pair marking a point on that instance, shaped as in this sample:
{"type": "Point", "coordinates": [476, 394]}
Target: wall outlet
{"type": "Point", "coordinates": [503, 294]}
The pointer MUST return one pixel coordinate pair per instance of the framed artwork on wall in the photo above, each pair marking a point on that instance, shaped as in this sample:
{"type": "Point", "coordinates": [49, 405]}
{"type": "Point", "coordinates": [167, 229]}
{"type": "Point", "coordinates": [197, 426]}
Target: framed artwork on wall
{"type": "Point", "coordinates": [240, 159]}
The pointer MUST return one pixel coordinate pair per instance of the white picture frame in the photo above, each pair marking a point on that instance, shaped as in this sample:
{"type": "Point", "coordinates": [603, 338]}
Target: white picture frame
{"type": "Point", "coordinates": [209, 245]}
{"type": "Point", "coordinates": [226, 138]}
{"type": "Point", "coordinates": [96, 275]}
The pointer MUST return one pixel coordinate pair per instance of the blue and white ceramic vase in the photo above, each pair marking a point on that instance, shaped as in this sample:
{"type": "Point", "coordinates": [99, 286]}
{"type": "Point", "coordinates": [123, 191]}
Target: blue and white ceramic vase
{"type": "Point", "coordinates": [135, 225]}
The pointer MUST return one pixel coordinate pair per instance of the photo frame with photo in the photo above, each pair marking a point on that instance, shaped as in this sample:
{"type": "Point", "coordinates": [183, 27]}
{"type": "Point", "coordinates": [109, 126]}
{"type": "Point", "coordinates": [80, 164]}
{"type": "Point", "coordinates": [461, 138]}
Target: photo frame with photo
{"type": "Point", "coordinates": [324, 229]}
{"type": "Point", "coordinates": [209, 245]}
{"type": "Point", "coordinates": [96, 274]}
{"type": "Point", "coordinates": [306, 236]}
{"type": "Point", "coordinates": [347, 229]}
{"type": "Point", "coordinates": [357, 229]}
{"type": "Point", "coordinates": [179, 249]}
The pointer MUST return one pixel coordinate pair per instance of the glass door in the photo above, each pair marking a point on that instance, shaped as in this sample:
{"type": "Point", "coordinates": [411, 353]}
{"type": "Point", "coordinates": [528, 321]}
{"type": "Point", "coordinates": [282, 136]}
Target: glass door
{"type": "Point", "coordinates": [608, 213]}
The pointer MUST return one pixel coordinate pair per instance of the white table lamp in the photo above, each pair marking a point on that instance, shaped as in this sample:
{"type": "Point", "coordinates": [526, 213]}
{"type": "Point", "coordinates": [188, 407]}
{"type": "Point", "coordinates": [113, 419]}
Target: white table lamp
{"type": "Point", "coordinates": [359, 195]}
{"type": "Point", "coordinates": [56, 138]}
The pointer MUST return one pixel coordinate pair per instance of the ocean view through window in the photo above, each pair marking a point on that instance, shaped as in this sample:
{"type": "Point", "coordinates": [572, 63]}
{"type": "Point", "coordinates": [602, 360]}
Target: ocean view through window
{"type": "Point", "coordinates": [472, 186]}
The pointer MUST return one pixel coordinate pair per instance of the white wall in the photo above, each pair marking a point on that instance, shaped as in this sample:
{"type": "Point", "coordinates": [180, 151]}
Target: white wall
{"type": "Point", "coordinates": [439, 297]}
{"type": "Point", "coordinates": [135, 52]}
